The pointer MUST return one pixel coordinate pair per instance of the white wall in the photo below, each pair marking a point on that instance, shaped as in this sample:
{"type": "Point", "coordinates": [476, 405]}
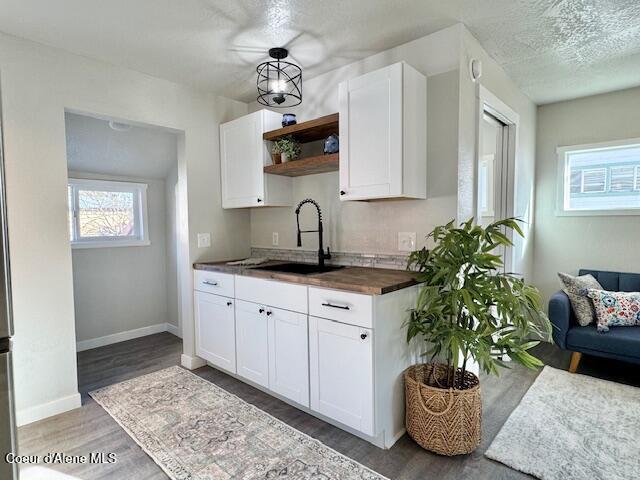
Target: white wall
{"type": "Point", "coordinates": [38, 83]}
{"type": "Point", "coordinates": [566, 244]}
{"type": "Point", "coordinates": [120, 289]}
{"type": "Point", "coordinates": [372, 227]}
{"type": "Point", "coordinates": [496, 80]}
{"type": "Point", "coordinates": [172, 222]}
{"type": "Point", "coordinates": [143, 152]}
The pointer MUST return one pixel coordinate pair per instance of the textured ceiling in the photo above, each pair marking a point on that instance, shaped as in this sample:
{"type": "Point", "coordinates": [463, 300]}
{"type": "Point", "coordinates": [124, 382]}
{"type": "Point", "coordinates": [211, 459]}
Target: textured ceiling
{"type": "Point", "coordinates": [560, 49]}
{"type": "Point", "coordinates": [554, 49]}
{"type": "Point", "coordinates": [94, 147]}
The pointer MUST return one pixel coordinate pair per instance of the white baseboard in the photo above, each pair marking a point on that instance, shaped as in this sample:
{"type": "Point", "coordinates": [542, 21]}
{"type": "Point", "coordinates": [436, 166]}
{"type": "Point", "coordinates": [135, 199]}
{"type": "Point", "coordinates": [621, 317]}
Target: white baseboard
{"type": "Point", "coordinates": [127, 335]}
{"type": "Point", "coordinates": [174, 330]}
{"type": "Point", "coordinates": [191, 363]}
{"type": "Point", "coordinates": [38, 412]}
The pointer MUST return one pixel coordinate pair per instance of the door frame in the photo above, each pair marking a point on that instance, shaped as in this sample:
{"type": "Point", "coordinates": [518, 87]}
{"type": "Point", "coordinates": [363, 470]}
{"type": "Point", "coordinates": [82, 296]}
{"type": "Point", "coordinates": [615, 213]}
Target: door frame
{"type": "Point", "coordinates": [488, 102]}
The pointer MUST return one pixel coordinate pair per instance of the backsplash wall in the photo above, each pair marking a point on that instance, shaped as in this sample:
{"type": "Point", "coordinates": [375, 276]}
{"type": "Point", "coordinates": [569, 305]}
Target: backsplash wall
{"type": "Point", "coordinates": [372, 227]}
{"type": "Point", "coordinates": [377, 260]}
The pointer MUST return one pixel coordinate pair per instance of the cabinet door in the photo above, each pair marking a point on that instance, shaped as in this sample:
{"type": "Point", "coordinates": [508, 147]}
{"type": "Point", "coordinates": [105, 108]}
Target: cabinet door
{"type": "Point", "coordinates": [371, 135]}
{"type": "Point", "coordinates": [215, 330]}
{"type": "Point", "coordinates": [241, 153]}
{"type": "Point", "coordinates": [252, 351]}
{"type": "Point", "coordinates": [341, 372]}
{"type": "Point", "coordinates": [288, 355]}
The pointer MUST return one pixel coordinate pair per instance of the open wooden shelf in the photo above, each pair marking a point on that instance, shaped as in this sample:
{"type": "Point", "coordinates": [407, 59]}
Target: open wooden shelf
{"type": "Point", "coordinates": [305, 166]}
{"type": "Point", "coordinates": [316, 129]}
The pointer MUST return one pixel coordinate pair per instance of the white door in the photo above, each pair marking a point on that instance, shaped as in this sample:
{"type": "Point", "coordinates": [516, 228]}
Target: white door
{"type": "Point", "coordinates": [215, 330]}
{"type": "Point", "coordinates": [341, 372]}
{"type": "Point", "coordinates": [371, 134]}
{"type": "Point", "coordinates": [241, 151]}
{"type": "Point", "coordinates": [495, 177]}
{"type": "Point", "coordinates": [252, 352]}
{"type": "Point", "coordinates": [288, 355]}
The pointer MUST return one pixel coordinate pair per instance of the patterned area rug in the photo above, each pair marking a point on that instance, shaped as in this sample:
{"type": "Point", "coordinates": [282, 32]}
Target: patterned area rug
{"type": "Point", "coordinates": [195, 430]}
{"type": "Point", "coordinates": [573, 427]}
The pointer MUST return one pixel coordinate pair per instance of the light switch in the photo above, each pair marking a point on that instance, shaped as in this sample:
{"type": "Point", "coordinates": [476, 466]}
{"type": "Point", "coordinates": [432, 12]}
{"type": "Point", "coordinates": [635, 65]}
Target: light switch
{"type": "Point", "coordinates": [204, 240]}
{"type": "Point", "coordinates": [406, 241]}
{"type": "Point", "coordinates": [275, 239]}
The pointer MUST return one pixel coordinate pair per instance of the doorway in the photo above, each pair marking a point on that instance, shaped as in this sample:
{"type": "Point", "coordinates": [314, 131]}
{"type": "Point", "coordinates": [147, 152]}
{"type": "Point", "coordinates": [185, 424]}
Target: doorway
{"type": "Point", "coordinates": [497, 138]}
{"type": "Point", "coordinates": [123, 229]}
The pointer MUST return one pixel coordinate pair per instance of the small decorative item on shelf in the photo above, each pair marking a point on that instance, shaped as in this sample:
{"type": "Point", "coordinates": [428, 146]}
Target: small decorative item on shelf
{"type": "Point", "coordinates": [276, 154]}
{"type": "Point", "coordinates": [288, 119]}
{"type": "Point", "coordinates": [331, 144]}
{"type": "Point", "coordinates": [288, 147]}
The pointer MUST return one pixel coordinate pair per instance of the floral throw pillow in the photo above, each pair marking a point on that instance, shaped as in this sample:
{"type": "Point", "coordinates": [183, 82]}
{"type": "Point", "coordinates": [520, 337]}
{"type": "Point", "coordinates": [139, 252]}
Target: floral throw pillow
{"type": "Point", "coordinates": [620, 309]}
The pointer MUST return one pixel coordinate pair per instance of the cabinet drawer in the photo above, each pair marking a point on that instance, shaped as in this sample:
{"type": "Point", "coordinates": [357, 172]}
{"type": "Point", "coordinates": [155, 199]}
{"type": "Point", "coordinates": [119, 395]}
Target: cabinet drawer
{"type": "Point", "coordinates": [345, 307]}
{"type": "Point", "coordinates": [288, 296]}
{"type": "Point", "coordinates": [213, 282]}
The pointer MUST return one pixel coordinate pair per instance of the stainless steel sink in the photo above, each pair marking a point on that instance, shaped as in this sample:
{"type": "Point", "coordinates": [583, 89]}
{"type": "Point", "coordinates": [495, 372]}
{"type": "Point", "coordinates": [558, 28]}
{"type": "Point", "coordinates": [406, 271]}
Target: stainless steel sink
{"type": "Point", "coordinates": [299, 268]}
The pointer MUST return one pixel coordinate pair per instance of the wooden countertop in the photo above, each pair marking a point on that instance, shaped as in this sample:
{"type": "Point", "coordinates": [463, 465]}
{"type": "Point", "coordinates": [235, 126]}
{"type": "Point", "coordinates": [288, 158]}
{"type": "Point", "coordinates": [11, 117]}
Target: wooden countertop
{"type": "Point", "coordinates": [372, 281]}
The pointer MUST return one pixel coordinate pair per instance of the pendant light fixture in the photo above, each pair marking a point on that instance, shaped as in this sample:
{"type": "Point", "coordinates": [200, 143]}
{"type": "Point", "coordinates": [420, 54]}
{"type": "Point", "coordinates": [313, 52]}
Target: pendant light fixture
{"type": "Point", "coordinates": [279, 83]}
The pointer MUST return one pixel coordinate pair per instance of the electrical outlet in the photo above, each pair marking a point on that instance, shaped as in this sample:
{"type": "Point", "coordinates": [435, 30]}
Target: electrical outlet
{"type": "Point", "coordinates": [406, 241]}
{"type": "Point", "coordinates": [204, 240]}
{"type": "Point", "coordinates": [275, 241]}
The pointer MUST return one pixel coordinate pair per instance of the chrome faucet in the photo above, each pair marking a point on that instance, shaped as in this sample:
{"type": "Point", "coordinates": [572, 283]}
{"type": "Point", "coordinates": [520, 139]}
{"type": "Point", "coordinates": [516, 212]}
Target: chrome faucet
{"type": "Point", "coordinates": [322, 256]}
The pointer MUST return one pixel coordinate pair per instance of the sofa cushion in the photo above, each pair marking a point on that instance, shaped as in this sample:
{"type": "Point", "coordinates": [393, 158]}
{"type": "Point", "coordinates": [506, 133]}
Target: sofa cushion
{"type": "Point", "coordinates": [620, 309]}
{"type": "Point", "coordinates": [618, 340]}
{"type": "Point", "coordinates": [574, 287]}
{"type": "Point", "coordinates": [615, 281]}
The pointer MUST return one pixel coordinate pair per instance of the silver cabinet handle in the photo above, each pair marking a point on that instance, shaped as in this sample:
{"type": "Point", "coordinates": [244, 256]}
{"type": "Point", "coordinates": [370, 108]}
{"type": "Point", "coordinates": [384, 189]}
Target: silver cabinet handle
{"type": "Point", "coordinates": [331, 305]}
{"type": "Point", "coordinates": [209, 282]}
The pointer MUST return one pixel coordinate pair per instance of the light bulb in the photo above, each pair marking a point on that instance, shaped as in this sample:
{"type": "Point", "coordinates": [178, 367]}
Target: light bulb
{"type": "Point", "coordinates": [278, 86]}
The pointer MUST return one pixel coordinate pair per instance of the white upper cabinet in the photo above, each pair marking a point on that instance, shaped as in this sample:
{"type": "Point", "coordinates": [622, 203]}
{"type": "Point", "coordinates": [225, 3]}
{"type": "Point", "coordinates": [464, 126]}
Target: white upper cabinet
{"type": "Point", "coordinates": [243, 155]}
{"type": "Point", "coordinates": [383, 128]}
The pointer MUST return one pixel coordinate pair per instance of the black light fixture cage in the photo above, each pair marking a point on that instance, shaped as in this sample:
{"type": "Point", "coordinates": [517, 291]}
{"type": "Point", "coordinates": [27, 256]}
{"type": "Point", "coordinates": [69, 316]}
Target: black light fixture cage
{"type": "Point", "coordinates": [279, 83]}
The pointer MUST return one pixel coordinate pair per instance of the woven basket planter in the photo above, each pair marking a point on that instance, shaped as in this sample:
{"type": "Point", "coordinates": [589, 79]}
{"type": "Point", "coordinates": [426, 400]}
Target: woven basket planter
{"type": "Point", "coordinates": [444, 421]}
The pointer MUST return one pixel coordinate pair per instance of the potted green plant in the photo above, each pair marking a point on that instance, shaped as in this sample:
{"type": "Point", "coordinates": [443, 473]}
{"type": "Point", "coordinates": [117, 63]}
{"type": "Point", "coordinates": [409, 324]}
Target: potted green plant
{"type": "Point", "coordinates": [288, 148]}
{"type": "Point", "coordinates": [276, 154]}
{"type": "Point", "coordinates": [467, 309]}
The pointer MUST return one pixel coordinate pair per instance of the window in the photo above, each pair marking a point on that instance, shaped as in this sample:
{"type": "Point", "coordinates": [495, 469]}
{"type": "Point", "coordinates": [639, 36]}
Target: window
{"type": "Point", "coordinates": [107, 214]}
{"type": "Point", "coordinates": [622, 178]}
{"type": "Point", "coordinates": [600, 179]}
{"type": "Point", "coordinates": [594, 180]}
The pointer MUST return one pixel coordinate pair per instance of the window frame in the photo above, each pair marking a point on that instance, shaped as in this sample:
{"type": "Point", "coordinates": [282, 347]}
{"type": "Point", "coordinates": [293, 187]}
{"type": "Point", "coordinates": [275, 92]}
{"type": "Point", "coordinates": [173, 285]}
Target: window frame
{"type": "Point", "coordinates": [141, 217]}
{"type": "Point", "coordinates": [563, 179]}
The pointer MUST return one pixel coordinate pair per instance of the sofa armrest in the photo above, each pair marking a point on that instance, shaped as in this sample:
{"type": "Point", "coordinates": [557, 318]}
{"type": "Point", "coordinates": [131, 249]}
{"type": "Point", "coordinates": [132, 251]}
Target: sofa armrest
{"type": "Point", "coordinates": [560, 314]}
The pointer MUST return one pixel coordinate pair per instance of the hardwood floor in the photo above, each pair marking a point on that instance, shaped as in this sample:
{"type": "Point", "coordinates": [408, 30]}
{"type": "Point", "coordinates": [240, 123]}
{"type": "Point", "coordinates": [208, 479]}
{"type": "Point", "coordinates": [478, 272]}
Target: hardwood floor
{"type": "Point", "coordinates": [91, 429]}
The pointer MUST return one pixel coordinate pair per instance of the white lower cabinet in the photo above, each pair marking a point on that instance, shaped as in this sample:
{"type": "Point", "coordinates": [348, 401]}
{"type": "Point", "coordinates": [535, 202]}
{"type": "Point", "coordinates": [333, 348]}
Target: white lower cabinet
{"type": "Point", "coordinates": [215, 330]}
{"type": "Point", "coordinates": [288, 355]}
{"type": "Point", "coordinates": [252, 352]}
{"type": "Point", "coordinates": [343, 362]}
{"type": "Point", "coordinates": [341, 372]}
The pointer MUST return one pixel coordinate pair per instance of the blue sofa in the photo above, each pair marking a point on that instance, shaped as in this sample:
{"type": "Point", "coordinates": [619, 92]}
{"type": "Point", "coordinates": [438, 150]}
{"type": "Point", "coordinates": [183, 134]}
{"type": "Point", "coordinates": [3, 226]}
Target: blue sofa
{"type": "Point", "coordinates": [619, 343]}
